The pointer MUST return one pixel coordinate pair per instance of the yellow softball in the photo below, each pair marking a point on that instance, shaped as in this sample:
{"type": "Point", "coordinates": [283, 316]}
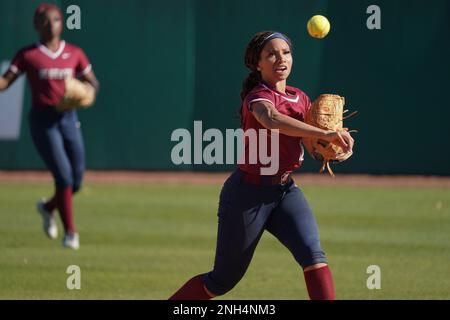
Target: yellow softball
{"type": "Point", "coordinates": [318, 26]}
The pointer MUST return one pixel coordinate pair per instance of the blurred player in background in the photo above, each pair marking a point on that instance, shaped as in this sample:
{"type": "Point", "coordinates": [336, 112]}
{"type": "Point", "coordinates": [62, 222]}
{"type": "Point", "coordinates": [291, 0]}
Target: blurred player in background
{"type": "Point", "coordinates": [250, 202]}
{"type": "Point", "coordinates": [56, 135]}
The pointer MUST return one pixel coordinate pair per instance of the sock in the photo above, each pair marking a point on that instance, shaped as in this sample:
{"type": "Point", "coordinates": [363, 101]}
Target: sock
{"type": "Point", "coordinates": [192, 290]}
{"type": "Point", "coordinates": [50, 205]}
{"type": "Point", "coordinates": [320, 284]}
{"type": "Point", "coordinates": [64, 204]}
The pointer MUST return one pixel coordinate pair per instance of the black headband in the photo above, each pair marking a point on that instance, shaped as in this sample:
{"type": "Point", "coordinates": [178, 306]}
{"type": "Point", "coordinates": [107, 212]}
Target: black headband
{"type": "Point", "coordinates": [274, 36]}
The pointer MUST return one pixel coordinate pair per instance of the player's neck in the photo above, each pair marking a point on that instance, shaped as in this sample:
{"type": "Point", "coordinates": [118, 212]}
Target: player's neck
{"type": "Point", "coordinates": [52, 44]}
{"type": "Point", "coordinates": [279, 86]}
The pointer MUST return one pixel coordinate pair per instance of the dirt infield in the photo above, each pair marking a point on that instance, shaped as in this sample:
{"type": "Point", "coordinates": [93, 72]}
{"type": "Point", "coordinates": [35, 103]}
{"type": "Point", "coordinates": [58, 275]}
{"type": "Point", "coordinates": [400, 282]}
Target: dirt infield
{"type": "Point", "coordinates": [306, 179]}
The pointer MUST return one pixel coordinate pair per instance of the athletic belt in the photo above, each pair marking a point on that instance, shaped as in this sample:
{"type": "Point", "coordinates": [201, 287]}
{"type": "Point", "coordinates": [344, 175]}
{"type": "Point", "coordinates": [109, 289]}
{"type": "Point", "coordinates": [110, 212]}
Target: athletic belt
{"type": "Point", "coordinates": [283, 179]}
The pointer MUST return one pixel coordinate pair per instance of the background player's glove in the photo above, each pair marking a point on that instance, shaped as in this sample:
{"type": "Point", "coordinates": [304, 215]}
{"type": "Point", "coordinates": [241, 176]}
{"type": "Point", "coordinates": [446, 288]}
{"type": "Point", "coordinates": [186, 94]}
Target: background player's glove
{"type": "Point", "coordinates": [327, 112]}
{"type": "Point", "coordinates": [77, 95]}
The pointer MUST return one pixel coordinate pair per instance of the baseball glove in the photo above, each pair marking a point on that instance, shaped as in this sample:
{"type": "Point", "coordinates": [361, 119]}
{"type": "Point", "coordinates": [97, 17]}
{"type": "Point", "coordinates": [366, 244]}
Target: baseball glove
{"type": "Point", "coordinates": [327, 112]}
{"type": "Point", "coordinates": [77, 95]}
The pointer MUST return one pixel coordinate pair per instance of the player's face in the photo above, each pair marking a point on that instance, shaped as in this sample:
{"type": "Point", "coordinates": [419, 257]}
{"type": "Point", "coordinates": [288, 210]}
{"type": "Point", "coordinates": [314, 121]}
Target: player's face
{"type": "Point", "coordinates": [275, 62]}
{"type": "Point", "coordinates": [49, 24]}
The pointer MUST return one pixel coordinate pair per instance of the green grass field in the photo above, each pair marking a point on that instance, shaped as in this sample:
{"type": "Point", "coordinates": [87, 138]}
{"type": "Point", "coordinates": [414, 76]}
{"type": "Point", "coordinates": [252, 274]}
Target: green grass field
{"type": "Point", "coordinates": [144, 241]}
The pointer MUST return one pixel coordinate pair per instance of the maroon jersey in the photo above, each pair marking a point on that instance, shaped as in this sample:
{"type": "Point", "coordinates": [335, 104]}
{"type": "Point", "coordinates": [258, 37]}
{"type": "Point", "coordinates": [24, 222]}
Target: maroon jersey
{"type": "Point", "coordinates": [46, 70]}
{"type": "Point", "coordinates": [294, 104]}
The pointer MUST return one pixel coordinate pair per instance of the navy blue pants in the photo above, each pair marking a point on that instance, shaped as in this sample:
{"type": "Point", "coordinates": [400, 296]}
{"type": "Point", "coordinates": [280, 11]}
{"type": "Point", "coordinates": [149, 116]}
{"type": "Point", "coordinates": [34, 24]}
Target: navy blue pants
{"type": "Point", "coordinates": [58, 140]}
{"type": "Point", "coordinates": [245, 211]}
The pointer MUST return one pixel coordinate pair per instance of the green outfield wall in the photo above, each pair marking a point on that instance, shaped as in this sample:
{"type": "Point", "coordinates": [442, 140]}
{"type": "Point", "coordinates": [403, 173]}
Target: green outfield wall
{"type": "Point", "coordinates": [164, 64]}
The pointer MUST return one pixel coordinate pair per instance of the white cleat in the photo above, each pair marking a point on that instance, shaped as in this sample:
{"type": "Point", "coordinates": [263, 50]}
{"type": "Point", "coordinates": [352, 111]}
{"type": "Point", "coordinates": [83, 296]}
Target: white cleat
{"type": "Point", "coordinates": [48, 220]}
{"type": "Point", "coordinates": [71, 241]}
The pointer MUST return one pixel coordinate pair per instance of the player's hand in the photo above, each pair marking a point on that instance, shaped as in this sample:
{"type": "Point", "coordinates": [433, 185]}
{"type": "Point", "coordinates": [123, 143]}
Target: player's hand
{"type": "Point", "coordinates": [342, 139]}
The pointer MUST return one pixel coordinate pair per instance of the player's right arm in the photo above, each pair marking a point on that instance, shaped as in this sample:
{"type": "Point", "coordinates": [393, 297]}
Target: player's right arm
{"type": "Point", "coordinates": [7, 80]}
{"type": "Point", "coordinates": [269, 117]}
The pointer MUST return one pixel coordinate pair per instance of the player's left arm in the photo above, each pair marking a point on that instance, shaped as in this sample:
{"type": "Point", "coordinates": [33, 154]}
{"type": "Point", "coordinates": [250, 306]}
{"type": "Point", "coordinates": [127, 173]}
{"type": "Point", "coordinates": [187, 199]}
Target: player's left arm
{"type": "Point", "coordinates": [85, 74]}
{"type": "Point", "coordinates": [91, 79]}
{"type": "Point", "coordinates": [307, 143]}
{"type": "Point", "coordinates": [84, 70]}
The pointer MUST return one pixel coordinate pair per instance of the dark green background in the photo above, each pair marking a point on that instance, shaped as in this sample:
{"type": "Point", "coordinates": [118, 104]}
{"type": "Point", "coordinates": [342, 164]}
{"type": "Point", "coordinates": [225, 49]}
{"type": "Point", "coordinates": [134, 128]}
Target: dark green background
{"type": "Point", "coordinates": [164, 64]}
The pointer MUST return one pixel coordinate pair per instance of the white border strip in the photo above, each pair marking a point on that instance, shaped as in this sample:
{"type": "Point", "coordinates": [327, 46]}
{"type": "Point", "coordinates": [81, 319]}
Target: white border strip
{"type": "Point", "coordinates": [258, 99]}
{"type": "Point", "coordinates": [49, 53]}
{"type": "Point", "coordinates": [85, 71]}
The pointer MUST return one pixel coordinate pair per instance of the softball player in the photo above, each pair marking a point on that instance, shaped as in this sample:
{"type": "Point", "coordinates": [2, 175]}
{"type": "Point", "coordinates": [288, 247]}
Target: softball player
{"type": "Point", "coordinates": [250, 202]}
{"type": "Point", "coordinates": [56, 135]}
